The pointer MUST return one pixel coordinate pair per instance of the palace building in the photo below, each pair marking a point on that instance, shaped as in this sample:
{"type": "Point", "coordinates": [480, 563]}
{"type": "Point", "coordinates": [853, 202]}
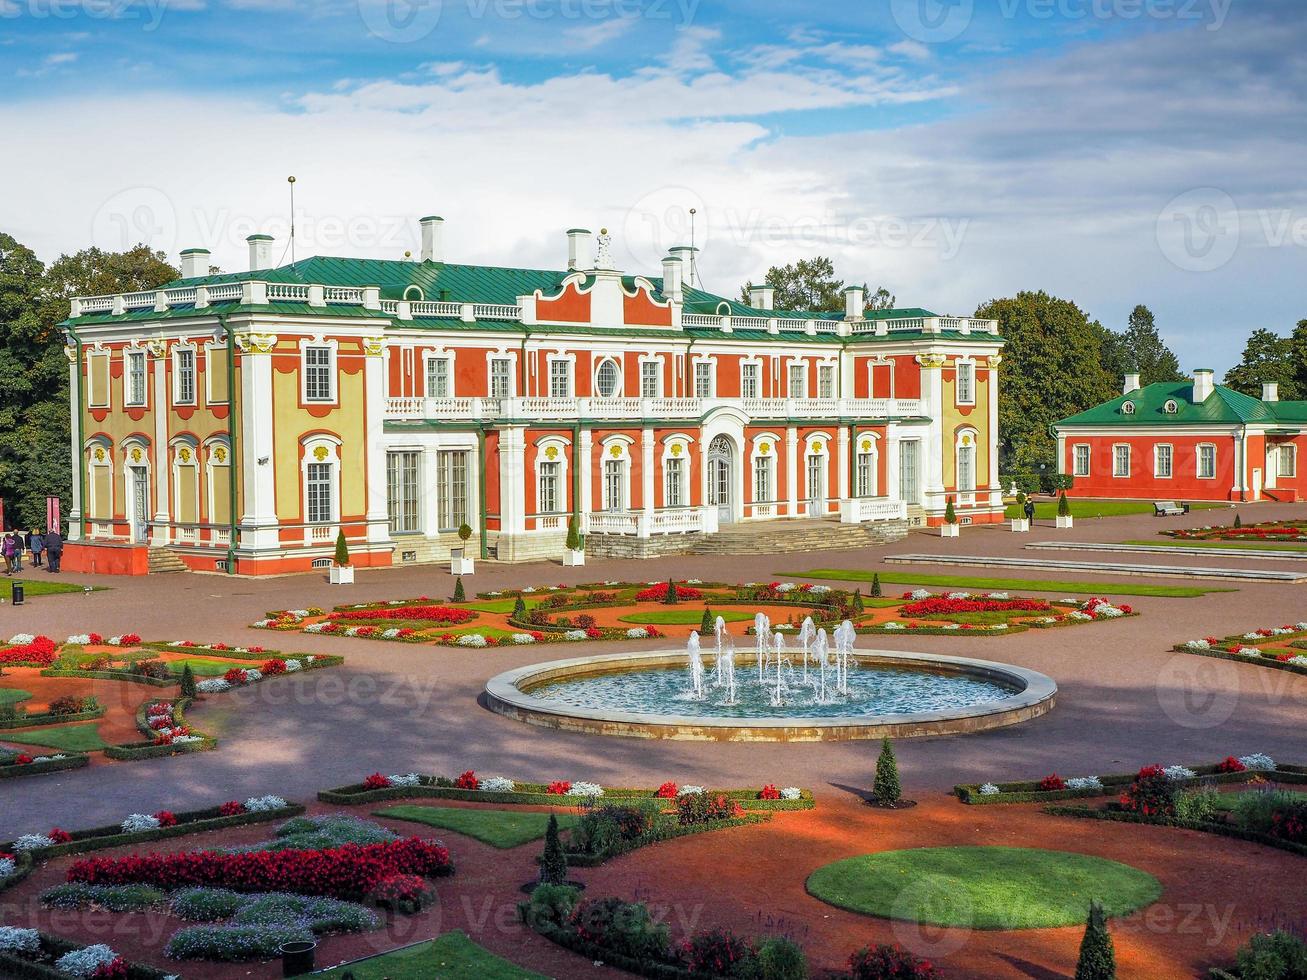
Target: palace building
{"type": "Point", "coordinates": [237, 422]}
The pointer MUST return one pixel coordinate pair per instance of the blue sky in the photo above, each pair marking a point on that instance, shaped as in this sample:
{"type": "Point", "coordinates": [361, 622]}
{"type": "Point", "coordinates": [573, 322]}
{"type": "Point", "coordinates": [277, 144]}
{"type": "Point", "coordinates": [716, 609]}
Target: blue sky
{"type": "Point", "coordinates": [1111, 151]}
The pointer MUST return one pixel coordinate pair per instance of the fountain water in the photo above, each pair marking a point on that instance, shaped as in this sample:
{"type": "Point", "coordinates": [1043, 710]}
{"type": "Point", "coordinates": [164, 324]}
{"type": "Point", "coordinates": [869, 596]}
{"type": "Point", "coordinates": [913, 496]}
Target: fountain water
{"type": "Point", "coordinates": [761, 632]}
{"type": "Point", "coordinates": [807, 632]}
{"type": "Point", "coordinates": [696, 665]}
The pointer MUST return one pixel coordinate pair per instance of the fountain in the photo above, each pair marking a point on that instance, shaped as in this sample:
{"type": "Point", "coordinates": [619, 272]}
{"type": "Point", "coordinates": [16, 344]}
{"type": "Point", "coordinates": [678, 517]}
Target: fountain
{"type": "Point", "coordinates": [696, 665]}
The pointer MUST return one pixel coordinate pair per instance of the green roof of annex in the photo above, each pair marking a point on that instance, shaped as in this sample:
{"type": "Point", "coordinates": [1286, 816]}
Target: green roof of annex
{"type": "Point", "coordinates": [1150, 404]}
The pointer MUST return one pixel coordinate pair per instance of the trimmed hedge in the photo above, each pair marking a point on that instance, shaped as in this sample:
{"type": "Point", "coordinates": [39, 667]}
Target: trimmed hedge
{"type": "Point", "coordinates": [74, 760]}
{"type": "Point", "coordinates": [49, 718]}
{"type": "Point", "coordinates": [131, 751]}
{"type": "Point", "coordinates": [1028, 791]}
{"type": "Point", "coordinates": [165, 646]}
{"type": "Point", "coordinates": [602, 954]}
{"type": "Point", "coordinates": [1261, 660]}
{"type": "Point", "coordinates": [113, 675]}
{"type": "Point", "coordinates": [1223, 829]}
{"type": "Point", "coordinates": [22, 969]}
{"type": "Point", "coordinates": [662, 831]}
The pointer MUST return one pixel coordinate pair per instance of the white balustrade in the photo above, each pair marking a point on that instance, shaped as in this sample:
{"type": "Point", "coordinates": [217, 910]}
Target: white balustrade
{"type": "Point", "coordinates": [341, 294]}
{"type": "Point", "coordinates": [224, 291]}
{"type": "Point", "coordinates": [425, 308]}
{"type": "Point", "coordinates": [137, 301]}
{"type": "Point", "coordinates": [496, 311]}
{"type": "Point", "coordinates": [862, 510]}
{"type": "Point", "coordinates": [288, 292]}
{"type": "Point", "coordinates": [641, 409]}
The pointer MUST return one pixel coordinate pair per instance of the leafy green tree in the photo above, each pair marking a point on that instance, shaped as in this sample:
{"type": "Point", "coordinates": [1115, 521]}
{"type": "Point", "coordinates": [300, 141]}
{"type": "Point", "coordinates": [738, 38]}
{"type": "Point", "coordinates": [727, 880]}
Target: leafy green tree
{"type": "Point", "coordinates": [1140, 348]}
{"type": "Point", "coordinates": [1063, 505]}
{"type": "Point", "coordinates": [1269, 357]}
{"type": "Point", "coordinates": [1097, 958]}
{"type": "Point", "coordinates": [553, 862]}
{"type": "Point", "coordinates": [1052, 368]}
{"type": "Point", "coordinates": [886, 789]}
{"type": "Point", "coordinates": [519, 609]}
{"type": "Point", "coordinates": [810, 284]}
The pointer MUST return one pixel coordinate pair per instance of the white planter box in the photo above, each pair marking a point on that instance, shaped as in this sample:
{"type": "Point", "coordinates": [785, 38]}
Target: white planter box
{"type": "Point", "coordinates": [342, 574]}
{"type": "Point", "coordinates": [460, 566]}
{"type": "Point", "coordinates": [950, 530]}
{"type": "Point", "coordinates": [573, 559]}
{"type": "Point", "coordinates": [1066, 522]}
{"type": "Point", "coordinates": [1020, 524]}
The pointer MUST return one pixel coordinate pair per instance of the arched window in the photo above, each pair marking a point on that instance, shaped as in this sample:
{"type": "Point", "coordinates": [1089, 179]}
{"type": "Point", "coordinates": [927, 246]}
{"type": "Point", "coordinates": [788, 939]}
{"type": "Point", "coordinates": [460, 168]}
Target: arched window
{"type": "Point", "coordinates": [1128, 408]}
{"type": "Point", "coordinates": [607, 378]}
{"type": "Point", "coordinates": [1170, 408]}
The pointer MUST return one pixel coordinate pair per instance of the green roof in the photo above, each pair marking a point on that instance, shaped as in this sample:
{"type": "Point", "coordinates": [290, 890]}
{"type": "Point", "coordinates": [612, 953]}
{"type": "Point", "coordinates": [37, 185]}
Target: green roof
{"type": "Point", "coordinates": [1224, 406]}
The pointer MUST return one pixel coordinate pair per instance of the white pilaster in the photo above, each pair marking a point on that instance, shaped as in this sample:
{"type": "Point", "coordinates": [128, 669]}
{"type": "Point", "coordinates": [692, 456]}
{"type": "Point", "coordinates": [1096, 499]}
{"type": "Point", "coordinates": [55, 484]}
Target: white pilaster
{"type": "Point", "coordinates": [512, 479]}
{"type": "Point", "coordinates": [792, 471]}
{"type": "Point", "coordinates": [891, 450]}
{"type": "Point", "coordinates": [161, 471]}
{"type": "Point", "coordinates": [583, 461]}
{"type": "Point", "coordinates": [259, 523]}
{"type": "Point", "coordinates": [75, 528]}
{"type": "Point", "coordinates": [374, 388]}
{"type": "Point", "coordinates": [842, 466]}
{"type": "Point", "coordinates": [933, 450]}
{"type": "Point", "coordinates": [647, 471]}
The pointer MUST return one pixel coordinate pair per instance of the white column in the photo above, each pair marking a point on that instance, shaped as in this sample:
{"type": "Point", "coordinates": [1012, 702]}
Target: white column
{"type": "Point", "coordinates": [647, 471]}
{"type": "Point", "coordinates": [891, 450]}
{"type": "Point", "coordinates": [427, 481]}
{"type": "Point", "coordinates": [161, 471]}
{"type": "Point", "coordinates": [259, 523]}
{"type": "Point", "coordinates": [792, 470]}
{"type": "Point", "coordinates": [933, 450]}
{"type": "Point", "coordinates": [79, 452]}
{"type": "Point", "coordinates": [584, 457]}
{"type": "Point", "coordinates": [374, 387]}
{"type": "Point", "coordinates": [512, 480]}
{"type": "Point", "coordinates": [842, 465]}
{"type": "Point", "coordinates": [991, 437]}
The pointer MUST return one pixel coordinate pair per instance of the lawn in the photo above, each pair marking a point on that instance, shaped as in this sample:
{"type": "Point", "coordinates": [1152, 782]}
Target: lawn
{"type": "Point", "coordinates": [1046, 510]}
{"type": "Point", "coordinates": [35, 587]}
{"type": "Point", "coordinates": [447, 957]}
{"type": "Point", "coordinates": [1226, 801]}
{"type": "Point", "coordinates": [204, 667]}
{"type": "Point", "coordinates": [72, 738]}
{"type": "Point", "coordinates": [1227, 545]}
{"type": "Point", "coordinates": [11, 695]}
{"type": "Point", "coordinates": [685, 617]}
{"type": "Point", "coordinates": [983, 887]}
{"type": "Point", "coordinates": [498, 828]}
{"type": "Point", "coordinates": [503, 606]}
{"type": "Point", "coordinates": [1012, 584]}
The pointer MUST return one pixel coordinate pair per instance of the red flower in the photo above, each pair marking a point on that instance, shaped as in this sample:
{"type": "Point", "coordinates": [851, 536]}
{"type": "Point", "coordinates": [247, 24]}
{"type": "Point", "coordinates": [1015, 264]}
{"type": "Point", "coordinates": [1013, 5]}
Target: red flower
{"type": "Point", "coordinates": [96, 639]}
{"type": "Point", "coordinates": [235, 676]}
{"type": "Point", "coordinates": [129, 639]}
{"type": "Point", "coordinates": [1230, 764]}
{"type": "Point", "coordinates": [559, 787]}
{"type": "Point", "coordinates": [594, 633]}
{"type": "Point", "coordinates": [232, 808]}
{"type": "Point", "coordinates": [1052, 783]}
{"type": "Point", "coordinates": [437, 614]}
{"type": "Point", "coordinates": [653, 633]}
{"type": "Point", "coordinates": [942, 605]}
{"type": "Point", "coordinates": [658, 593]}
{"type": "Point", "coordinates": [113, 970]}
{"type": "Point", "coordinates": [40, 652]}
{"type": "Point", "coordinates": [271, 668]}
{"type": "Point", "coordinates": [769, 792]}
{"type": "Point", "coordinates": [59, 836]}
{"type": "Point", "coordinates": [468, 780]}
{"type": "Point", "coordinates": [23, 759]}
{"type": "Point", "coordinates": [667, 791]}
{"type": "Point", "coordinates": [376, 781]}
{"type": "Point", "coordinates": [166, 818]}
{"type": "Point", "coordinates": [256, 649]}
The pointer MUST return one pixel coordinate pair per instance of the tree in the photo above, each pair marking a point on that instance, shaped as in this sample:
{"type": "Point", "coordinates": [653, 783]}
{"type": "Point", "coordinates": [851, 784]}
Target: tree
{"type": "Point", "coordinates": [875, 585]}
{"type": "Point", "coordinates": [1097, 959]}
{"type": "Point", "coordinates": [573, 542]}
{"type": "Point", "coordinates": [670, 598]}
{"type": "Point", "coordinates": [342, 550]}
{"type": "Point", "coordinates": [460, 595]}
{"type": "Point", "coordinates": [1139, 348]}
{"type": "Point", "coordinates": [857, 604]}
{"type": "Point", "coordinates": [707, 624]}
{"type": "Point", "coordinates": [1063, 505]}
{"type": "Point", "coordinates": [188, 689]}
{"type": "Point", "coordinates": [553, 862]}
{"type": "Point", "coordinates": [1269, 357]}
{"type": "Point", "coordinates": [950, 512]}
{"type": "Point", "coordinates": [810, 284]}
{"type": "Point", "coordinates": [886, 789]}
{"type": "Point", "coordinates": [519, 609]}
{"type": "Point", "coordinates": [1052, 368]}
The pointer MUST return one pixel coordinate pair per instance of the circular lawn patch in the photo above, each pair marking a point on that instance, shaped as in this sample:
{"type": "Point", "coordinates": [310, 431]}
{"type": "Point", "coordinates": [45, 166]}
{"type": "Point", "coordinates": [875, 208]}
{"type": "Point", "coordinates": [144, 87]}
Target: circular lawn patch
{"type": "Point", "coordinates": [685, 617]}
{"type": "Point", "coordinates": [983, 887]}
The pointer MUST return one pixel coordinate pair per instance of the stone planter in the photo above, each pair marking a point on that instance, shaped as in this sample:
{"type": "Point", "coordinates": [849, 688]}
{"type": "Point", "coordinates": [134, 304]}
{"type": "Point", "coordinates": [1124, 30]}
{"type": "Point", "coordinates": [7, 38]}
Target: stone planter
{"type": "Point", "coordinates": [950, 530]}
{"type": "Point", "coordinates": [1066, 521]}
{"type": "Point", "coordinates": [573, 559]}
{"type": "Point", "coordinates": [341, 574]}
{"type": "Point", "coordinates": [460, 566]}
{"type": "Point", "coordinates": [1020, 524]}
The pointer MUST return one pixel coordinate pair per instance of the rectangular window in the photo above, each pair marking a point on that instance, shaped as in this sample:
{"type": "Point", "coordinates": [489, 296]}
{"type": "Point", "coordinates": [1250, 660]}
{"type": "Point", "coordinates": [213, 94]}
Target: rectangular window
{"type": "Point", "coordinates": [703, 379]}
{"type": "Point", "coordinates": [1162, 459]}
{"type": "Point", "coordinates": [549, 472]}
{"type": "Point", "coordinates": [966, 469]}
{"type": "Point", "coordinates": [649, 380]}
{"type": "Point", "coordinates": [826, 381]}
{"type": "Point", "coordinates": [966, 383]}
{"type": "Point", "coordinates": [184, 382]}
{"type": "Point", "coordinates": [451, 489]}
{"type": "Point", "coordinates": [763, 485]}
{"type": "Point", "coordinates": [136, 377]}
{"type": "Point", "coordinates": [614, 484]}
{"type": "Point", "coordinates": [560, 378]}
{"type": "Point", "coordinates": [798, 380]}
{"type": "Point", "coordinates": [1288, 461]}
{"type": "Point", "coordinates": [816, 479]}
{"type": "Point", "coordinates": [501, 377]}
{"type": "Point", "coordinates": [674, 483]}
{"type": "Point", "coordinates": [1207, 462]}
{"type": "Point", "coordinates": [749, 386]}
{"type": "Point", "coordinates": [319, 493]}
{"type": "Point", "coordinates": [438, 377]}
{"type": "Point", "coordinates": [402, 492]}
{"type": "Point", "coordinates": [1121, 461]}
{"type": "Point", "coordinates": [1081, 466]}
{"type": "Point", "coordinates": [866, 475]}
{"type": "Point", "coordinates": [317, 374]}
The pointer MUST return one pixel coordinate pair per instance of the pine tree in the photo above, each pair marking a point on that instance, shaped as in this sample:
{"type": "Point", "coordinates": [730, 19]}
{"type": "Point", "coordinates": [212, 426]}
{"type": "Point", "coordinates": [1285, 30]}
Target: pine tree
{"type": "Point", "coordinates": [553, 863]}
{"type": "Point", "coordinates": [886, 789]}
{"type": "Point", "coordinates": [1097, 959]}
{"type": "Point", "coordinates": [671, 593]}
{"type": "Point", "coordinates": [573, 534]}
{"type": "Point", "coordinates": [1063, 505]}
{"type": "Point", "coordinates": [707, 624]}
{"type": "Point", "coordinates": [875, 585]}
{"type": "Point", "coordinates": [342, 549]}
{"type": "Point", "coordinates": [1237, 521]}
{"type": "Point", "coordinates": [460, 595]}
{"type": "Point", "coordinates": [857, 601]}
{"type": "Point", "coordinates": [950, 513]}
{"type": "Point", "coordinates": [519, 608]}
{"type": "Point", "coordinates": [188, 689]}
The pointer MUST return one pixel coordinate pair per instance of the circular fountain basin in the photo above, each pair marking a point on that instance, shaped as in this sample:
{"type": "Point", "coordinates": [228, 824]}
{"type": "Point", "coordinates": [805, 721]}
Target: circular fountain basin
{"type": "Point", "coordinates": [891, 693]}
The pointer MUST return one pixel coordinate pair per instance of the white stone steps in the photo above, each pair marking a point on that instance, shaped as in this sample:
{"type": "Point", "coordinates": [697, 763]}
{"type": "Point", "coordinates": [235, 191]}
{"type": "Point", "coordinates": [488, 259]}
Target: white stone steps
{"type": "Point", "coordinates": [1161, 549]}
{"type": "Point", "coordinates": [1107, 567]}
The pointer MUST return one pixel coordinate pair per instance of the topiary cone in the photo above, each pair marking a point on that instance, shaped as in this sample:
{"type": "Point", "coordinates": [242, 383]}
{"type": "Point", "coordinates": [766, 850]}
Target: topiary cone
{"type": "Point", "coordinates": [875, 585]}
{"type": "Point", "coordinates": [1097, 958]}
{"type": "Point", "coordinates": [707, 624]}
{"type": "Point", "coordinates": [553, 862]}
{"type": "Point", "coordinates": [188, 689]}
{"type": "Point", "coordinates": [460, 595]}
{"type": "Point", "coordinates": [1063, 505]}
{"type": "Point", "coordinates": [342, 549]}
{"type": "Point", "coordinates": [886, 789]}
{"type": "Point", "coordinates": [950, 514]}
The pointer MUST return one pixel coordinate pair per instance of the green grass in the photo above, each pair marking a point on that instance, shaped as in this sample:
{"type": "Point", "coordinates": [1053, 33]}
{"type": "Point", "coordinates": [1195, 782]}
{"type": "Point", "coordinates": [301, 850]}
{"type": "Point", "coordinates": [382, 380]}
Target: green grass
{"type": "Point", "coordinates": [983, 887]}
{"type": "Point", "coordinates": [1227, 545]}
{"type": "Point", "coordinates": [685, 617]}
{"type": "Point", "coordinates": [35, 587]}
{"type": "Point", "coordinates": [1046, 510]}
{"type": "Point", "coordinates": [1012, 584]}
{"type": "Point", "coordinates": [72, 738]}
{"type": "Point", "coordinates": [500, 605]}
{"type": "Point", "coordinates": [498, 828]}
{"type": "Point", "coordinates": [449, 957]}
{"type": "Point", "coordinates": [11, 695]}
{"type": "Point", "coordinates": [204, 667]}
{"type": "Point", "coordinates": [1226, 802]}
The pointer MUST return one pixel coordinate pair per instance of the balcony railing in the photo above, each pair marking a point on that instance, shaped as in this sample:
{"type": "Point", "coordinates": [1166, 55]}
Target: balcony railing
{"type": "Point", "coordinates": [646, 524]}
{"type": "Point", "coordinates": [635, 409]}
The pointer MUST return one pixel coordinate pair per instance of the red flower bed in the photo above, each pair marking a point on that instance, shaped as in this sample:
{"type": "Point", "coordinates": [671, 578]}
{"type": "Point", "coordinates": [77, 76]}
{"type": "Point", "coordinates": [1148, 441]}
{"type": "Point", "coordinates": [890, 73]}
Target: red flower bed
{"type": "Point", "coordinates": [349, 871]}
{"type": "Point", "coordinates": [1230, 764]}
{"type": "Point", "coordinates": [658, 593]}
{"type": "Point", "coordinates": [376, 781]}
{"type": "Point", "coordinates": [468, 780]}
{"type": "Point", "coordinates": [769, 792]}
{"type": "Point", "coordinates": [885, 962]}
{"type": "Point", "coordinates": [435, 614]}
{"type": "Point", "coordinates": [235, 677]}
{"type": "Point", "coordinates": [23, 759]}
{"type": "Point", "coordinates": [271, 668]}
{"type": "Point", "coordinates": [231, 808]}
{"type": "Point", "coordinates": [1151, 794]}
{"type": "Point", "coordinates": [166, 818]}
{"type": "Point", "coordinates": [942, 605]}
{"type": "Point", "coordinates": [667, 791]}
{"type": "Point", "coordinates": [1052, 783]}
{"type": "Point", "coordinates": [59, 836]}
{"type": "Point", "coordinates": [41, 652]}
{"type": "Point", "coordinates": [559, 787]}
{"type": "Point", "coordinates": [113, 970]}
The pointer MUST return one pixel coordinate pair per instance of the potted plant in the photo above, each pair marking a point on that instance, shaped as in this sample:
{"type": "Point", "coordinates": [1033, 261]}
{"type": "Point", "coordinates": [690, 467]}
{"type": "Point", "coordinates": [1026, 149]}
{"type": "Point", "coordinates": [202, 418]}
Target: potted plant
{"type": "Point", "coordinates": [460, 563]}
{"type": "Point", "coordinates": [1064, 518]}
{"type": "Point", "coordinates": [949, 529]}
{"type": "Point", "coordinates": [574, 550]}
{"type": "Point", "coordinates": [341, 572]}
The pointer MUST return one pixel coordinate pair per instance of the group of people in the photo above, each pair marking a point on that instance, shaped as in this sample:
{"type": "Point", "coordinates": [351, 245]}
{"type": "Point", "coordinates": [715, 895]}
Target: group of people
{"type": "Point", "coordinates": [45, 547]}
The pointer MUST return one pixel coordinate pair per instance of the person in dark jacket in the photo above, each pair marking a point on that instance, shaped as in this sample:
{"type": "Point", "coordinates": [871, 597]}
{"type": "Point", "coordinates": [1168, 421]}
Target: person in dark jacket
{"type": "Point", "coordinates": [36, 544]}
{"type": "Point", "coordinates": [1030, 509]}
{"type": "Point", "coordinates": [54, 549]}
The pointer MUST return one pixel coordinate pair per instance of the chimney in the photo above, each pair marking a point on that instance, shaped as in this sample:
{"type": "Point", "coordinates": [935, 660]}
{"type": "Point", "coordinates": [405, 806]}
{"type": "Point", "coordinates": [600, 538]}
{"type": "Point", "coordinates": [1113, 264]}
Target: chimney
{"type": "Point", "coordinates": [260, 252]}
{"type": "Point", "coordinates": [1131, 383]}
{"type": "Point", "coordinates": [195, 263]}
{"type": "Point", "coordinates": [672, 279]}
{"type": "Point", "coordinates": [579, 254]}
{"type": "Point", "coordinates": [1270, 391]}
{"type": "Point", "coordinates": [762, 297]}
{"type": "Point", "coordinates": [432, 246]}
{"type": "Point", "coordinates": [1203, 384]}
{"type": "Point", "coordinates": [855, 301]}
{"type": "Point", "coordinates": [686, 254]}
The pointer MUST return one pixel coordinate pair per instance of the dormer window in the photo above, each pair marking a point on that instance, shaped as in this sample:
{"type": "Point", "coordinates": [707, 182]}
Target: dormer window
{"type": "Point", "coordinates": [1170, 408]}
{"type": "Point", "coordinates": [1128, 408]}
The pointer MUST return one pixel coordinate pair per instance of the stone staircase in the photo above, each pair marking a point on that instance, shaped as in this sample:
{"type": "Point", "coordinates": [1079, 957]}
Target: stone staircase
{"type": "Point", "coordinates": [163, 560]}
{"type": "Point", "coordinates": [809, 534]}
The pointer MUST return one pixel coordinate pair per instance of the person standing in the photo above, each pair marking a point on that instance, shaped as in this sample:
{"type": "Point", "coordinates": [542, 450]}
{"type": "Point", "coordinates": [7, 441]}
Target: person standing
{"type": "Point", "coordinates": [37, 545]}
{"type": "Point", "coordinates": [54, 550]}
{"type": "Point", "coordinates": [20, 545]}
{"type": "Point", "coordinates": [7, 548]}
{"type": "Point", "coordinates": [1030, 510]}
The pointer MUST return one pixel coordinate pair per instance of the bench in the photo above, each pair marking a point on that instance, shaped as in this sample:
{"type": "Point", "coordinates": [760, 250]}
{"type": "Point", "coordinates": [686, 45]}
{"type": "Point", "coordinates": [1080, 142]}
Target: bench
{"type": "Point", "coordinates": [1169, 508]}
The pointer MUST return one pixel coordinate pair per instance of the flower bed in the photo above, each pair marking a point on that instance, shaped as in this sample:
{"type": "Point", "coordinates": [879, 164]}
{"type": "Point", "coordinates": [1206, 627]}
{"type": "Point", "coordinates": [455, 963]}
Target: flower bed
{"type": "Point", "coordinates": [1041, 790]}
{"type": "Point", "coordinates": [27, 953]}
{"type": "Point", "coordinates": [1269, 531]}
{"type": "Point", "coordinates": [220, 650]}
{"type": "Point", "coordinates": [164, 724]}
{"type": "Point", "coordinates": [16, 764]}
{"type": "Point", "coordinates": [37, 651]}
{"type": "Point", "coordinates": [82, 709]}
{"type": "Point", "coordinates": [437, 615]}
{"type": "Point", "coordinates": [1277, 647]}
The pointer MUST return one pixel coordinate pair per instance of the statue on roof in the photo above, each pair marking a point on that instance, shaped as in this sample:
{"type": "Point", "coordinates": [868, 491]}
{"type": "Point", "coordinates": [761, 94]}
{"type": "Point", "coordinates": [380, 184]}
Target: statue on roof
{"type": "Point", "coordinates": [604, 260]}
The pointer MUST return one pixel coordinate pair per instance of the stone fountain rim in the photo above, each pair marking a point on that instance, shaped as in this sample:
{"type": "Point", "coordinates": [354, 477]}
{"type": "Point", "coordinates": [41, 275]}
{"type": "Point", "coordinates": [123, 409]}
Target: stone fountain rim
{"type": "Point", "coordinates": [1035, 694]}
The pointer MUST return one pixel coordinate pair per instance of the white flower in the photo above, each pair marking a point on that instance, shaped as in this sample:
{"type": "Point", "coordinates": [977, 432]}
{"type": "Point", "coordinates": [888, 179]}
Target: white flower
{"type": "Point", "coordinates": [298, 613]}
{"type": "Point", "coordinates": [785, 587]}
{"type": "Point", "coordinates": [30, 842]}
{"type": "Point", "coordinates": [7, 866]}
{"type": "Point", "coordinates": [689, 791]}
{"type": "Point", "coordinates": [1198, 645]}
{"type": "Point", "coordinates": [293, 665]}
{"type": "Point", "coordinates": [391, 634]}
{"type": "Point", "coordinates": [263, 623]}
{"type": "Point", "coordinates": [998, 626]}
{"type": "Point", "coordinates": [1280, 631]}
{"type": "Point", "coordinates": [1252, 636]}
{"type": "Point", "coordinates": [531, 588]}
{"type": "Point", "coordinates": [919, 594]}
{"type": "Point", "coordinates": [1248, 652]}
{"type": "Point", "coordinates": [1179, 772]}
{"type": "Point", "coordinates": [791, 793]}
{"type": "Point", "coordinates": [185, 738]}
{"type": "Point", "coordinates": [820, 589]}
{"type": "Point", "coordinates": [310, 658]}
{"type": "Point", "coordinates": [1079, 617]}
{"type": "Point", "coordinates": [1298, 661]}
{"type": "Point", "coordinates": [694, 581]}
{"type": "Point", "coordinates": [1300, 627]}
{"type": "Point", "coordinates": [404, 779]}
{"type": "Point", "coordinates": [80, 639]}
{"type": "Point", "coordinates": [574, 635]}
{"type": "Point", "coordinates": [212, 685]}
{"type": "Point", "coordinates": [959, 595]}
{"type": "Point", "coordinates": [1258, 762]}
{"type": "Point", "coordinates": [134, 823]}
{"type": "Point", "coordinates": [1084, 782]}
{"type": "Point", "coordinates": [21, 639]}
{"type": "Point", "coordinates": [989, 789]}
{"type": "Point", "coordinates": [13, 939]}
{"type": "Point", "coordinates": [523, 638]}
{"type": "Point", "coordinates": [639, 633]}
{"type": "Point", "coordinates": [952, 626]}
{"type": "Point", "coordinates": [253, 674]}
{"type": "Point", "coordinates": [587, 789]}
{"type": "Point", "coordinates": [471, 640]}
{"type": "Point", "coordinates": [1108, 612]}
{"type": "Point", "coordinates": [84, 962]}
{"type": "Point", "coordinates": [257, 804]}
{"type": "Point", "coordinates": [316, 627]}
{"type": "Point", "coordinates": [498, 784]}
{"type": "Point", "coordinates": [999, 595]}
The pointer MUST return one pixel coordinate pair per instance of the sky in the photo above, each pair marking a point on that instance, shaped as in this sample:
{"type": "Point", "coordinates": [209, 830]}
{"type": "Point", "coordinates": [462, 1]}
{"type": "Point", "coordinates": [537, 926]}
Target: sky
{"type": "Point", "coordinates": [1112, 152]}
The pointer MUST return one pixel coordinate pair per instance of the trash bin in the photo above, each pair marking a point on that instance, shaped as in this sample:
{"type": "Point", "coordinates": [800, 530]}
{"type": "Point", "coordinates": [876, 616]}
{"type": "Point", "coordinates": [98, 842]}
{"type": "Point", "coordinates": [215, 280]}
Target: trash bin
{"type": "Point", "coordinates": [19, 593]}
{"type": "Point", "coordinates": [297, 958]}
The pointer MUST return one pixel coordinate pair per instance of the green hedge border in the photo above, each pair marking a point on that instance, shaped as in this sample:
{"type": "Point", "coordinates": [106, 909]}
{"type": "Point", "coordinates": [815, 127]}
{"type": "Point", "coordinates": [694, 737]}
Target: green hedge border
{"type": "Point", "coordinates": [133, 751]}
{"type": "Point", "coordinates": [201, 650]}
{"type": "Point", "coordinates": [602, 954]}
{"type": "Point", "coordinates": [1221, 829]}
{"type": "Point", "coordinates": [668, 831]}
{"type": "Point", "coordinates": [74, 760]}
{"type": "Point", "coordinates": [47, 718]}
{"type": "Point", "coordinates": [1028, 791]}
{"type": "Point", "coordinates": [113, 675]}
{"type": "Point", "coordinates": [1261, 660]}
{"type": "Point", "coordinates": [23, 969]}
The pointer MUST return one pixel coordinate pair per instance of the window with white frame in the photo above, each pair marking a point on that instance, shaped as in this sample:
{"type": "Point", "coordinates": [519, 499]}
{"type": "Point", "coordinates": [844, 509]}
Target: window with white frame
{"type": "Point", "coordinates": [750, 386]}
{"type": "Point", "coordinates": [560, 377]}
{"type": "Point", "coordinates": [1120, 461]}
{"type": "Point", "coordinates": [674, 482]}
{"type": "Point", "coordinates": [451, 488]}
{"type": "Point", "coordinates": [826, 381]}
{"type": "Point", "coordinates": [1288, 465]}
{"type": "Point", "coordinates": [501, 377]}
{"type": "Point", "coordinates": [318, 379]}
{"type": "Point", "coordinates": [703, 379]}
{"type": "Point", "coordinates": [966, 383]}
{"type": "Point", "coordinates": [651, 379]}
{"type": "Point", "coordinates": [614, 484]}
{"type": "Point", "coordinates": [1163, 459]}
{"type": "Point", "coordinates": [319, 493]}
{"type": "Point", "coordinates": [608, 379]}
{"type": "Point", "coordinates": [402, 491]}
{"type": "Point", "coordinates": [764, 482]}
{"type": "Point", "coordinates": [183, 376]}
{"type": "Point", "coordinates": [865, 473]}
{"type": "Point", "coordinates": [438, 377]}
{"type": "Point", "coordinates": [135, 377]}
{"type": "Point", "coordinates": [548, 495]}
{"type": "Point", "coordinates": [1206, 462]}
{"type": "Point", "coordinates": [1080, 464]}
{"type": "Point", "coordinates": [966, 467]}
{"type": "Point", "coordinates": [798, 380]}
